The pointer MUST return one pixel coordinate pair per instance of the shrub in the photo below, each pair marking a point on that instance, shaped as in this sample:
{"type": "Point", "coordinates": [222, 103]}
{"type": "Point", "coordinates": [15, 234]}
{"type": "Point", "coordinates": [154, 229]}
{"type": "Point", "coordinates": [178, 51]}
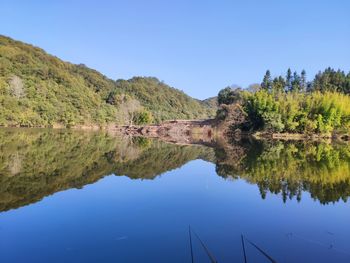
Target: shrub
{"type": "Point", "coordinates": [142, 117]}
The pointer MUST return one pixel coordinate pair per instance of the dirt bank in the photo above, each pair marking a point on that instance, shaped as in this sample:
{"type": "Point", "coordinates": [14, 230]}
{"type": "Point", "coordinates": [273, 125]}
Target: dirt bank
{"type": "Point", "coordinates": [181, 131]}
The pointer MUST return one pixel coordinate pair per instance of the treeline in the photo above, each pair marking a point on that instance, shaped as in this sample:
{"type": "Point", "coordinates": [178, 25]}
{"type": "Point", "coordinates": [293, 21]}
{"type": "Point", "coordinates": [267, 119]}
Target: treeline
{"type": "Point", "coordinates": [328, 80]}
{"type": "Point", "coordinates": [37, 89]}
{"type": "Point", "coordinates": [294, 105]}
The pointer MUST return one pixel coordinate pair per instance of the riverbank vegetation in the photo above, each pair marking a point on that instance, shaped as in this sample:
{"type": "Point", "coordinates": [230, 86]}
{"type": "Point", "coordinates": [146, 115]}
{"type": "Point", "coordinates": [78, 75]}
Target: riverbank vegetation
{"type": "Point", "coordinates": [293, 105]}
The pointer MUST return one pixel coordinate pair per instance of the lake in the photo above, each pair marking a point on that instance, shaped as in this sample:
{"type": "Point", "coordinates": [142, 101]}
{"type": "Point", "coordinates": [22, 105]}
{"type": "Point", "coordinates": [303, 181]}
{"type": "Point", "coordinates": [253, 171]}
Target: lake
{"type": "Point", "coordinates": [69, 196]}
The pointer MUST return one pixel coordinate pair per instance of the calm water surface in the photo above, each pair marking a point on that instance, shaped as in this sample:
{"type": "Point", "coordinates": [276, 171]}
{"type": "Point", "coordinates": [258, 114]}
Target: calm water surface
{"type": "Point", "coordinates": [90, 197]}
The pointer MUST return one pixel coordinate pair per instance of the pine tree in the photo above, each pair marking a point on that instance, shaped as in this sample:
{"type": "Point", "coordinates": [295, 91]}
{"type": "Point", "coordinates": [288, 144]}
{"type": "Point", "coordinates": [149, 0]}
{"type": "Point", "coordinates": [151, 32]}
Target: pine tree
{"type": "Point", "coordinates": [267, 83]}
{"type": "Point", "coordinates": [347, 84]}
{"type": "Point", "coordinates": [296, 82]}
{"type": "Point", "coordinates": [278, 84]}
{"type": "Point", "coordinates": [331, 80]}
{"type": "Point", "coordinates": [289, 80]}
{"type": "Point", "coordinates": [303, 82]}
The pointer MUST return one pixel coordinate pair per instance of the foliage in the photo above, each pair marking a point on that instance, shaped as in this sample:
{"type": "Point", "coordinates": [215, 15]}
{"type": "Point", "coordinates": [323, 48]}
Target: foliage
{"type": "Point", "coordinates": [163, 101]}
{"type": "Point", "coordinates": [211, 102]}
{"type": "Point", "coordinates": [37, 89]}
{"type": "Point", "coordinates": [298, 112]}
{"type": "Point", "coordinates": [254, 87]}
{"type": "Point", "coordinates": [142, 117]}
{"type": "Point", "coordinates": [294, 105]}
{"type": "Point", "coordinates": [331, 80]}
{"type": "Point", "coordinates": [266, 84]}
{"type": "Point", "coordinates": [229, 95]}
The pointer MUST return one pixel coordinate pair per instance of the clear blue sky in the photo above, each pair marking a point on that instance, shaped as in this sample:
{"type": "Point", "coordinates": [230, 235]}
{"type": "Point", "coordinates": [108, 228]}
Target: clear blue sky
{"type": "Point", "coordinates": [197, 46]}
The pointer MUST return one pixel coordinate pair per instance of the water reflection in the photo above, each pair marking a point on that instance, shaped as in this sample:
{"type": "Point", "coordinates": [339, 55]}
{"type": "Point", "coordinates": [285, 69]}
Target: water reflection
{"type": "Point", "coordinates": [38, 163]}
{"type": "Point", "coordinates": [289, 168]}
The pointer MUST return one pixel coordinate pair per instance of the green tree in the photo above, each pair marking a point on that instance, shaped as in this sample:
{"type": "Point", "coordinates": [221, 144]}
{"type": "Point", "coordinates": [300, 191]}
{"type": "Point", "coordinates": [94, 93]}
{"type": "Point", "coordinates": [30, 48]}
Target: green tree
{"type": "Point", "coordinates": [143, 117]}
{"type": "Point", "coordinates": [267, 83]}
{"type": "Point", "coordinates": [303, 82]}
{"type": "Point", "coordinates": [278, 84]}
{"type": "Point", "coordinates": [254, 87]}
{"type": "Point", "coordinates": [229, 95]}
{"type": "Point", "coordinates": [331, 80]}
{"type": "Point", "coordinates": [289, 78]}
{"type": "Point", "coordinates": [296, 82]}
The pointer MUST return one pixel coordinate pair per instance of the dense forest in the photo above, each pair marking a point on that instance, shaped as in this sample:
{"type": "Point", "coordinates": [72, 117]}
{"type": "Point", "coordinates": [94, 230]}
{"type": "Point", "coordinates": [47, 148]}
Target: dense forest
{"type": "Point", "coordinates": [37, 89]}
{"type": "Point", "coordinates": [294, 105]}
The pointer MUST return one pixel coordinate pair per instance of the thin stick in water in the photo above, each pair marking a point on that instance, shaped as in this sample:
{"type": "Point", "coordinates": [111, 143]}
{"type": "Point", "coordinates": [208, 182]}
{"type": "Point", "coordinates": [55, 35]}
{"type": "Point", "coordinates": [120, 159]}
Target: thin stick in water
{"type": "Point", "coordinates": [262, 251]}
{"type": "Point", "coordinates": [189, 232]}
{"type": "Point", "coordinates": [211, 257]}
{"type": "Point", "coordinates": [243, 247]}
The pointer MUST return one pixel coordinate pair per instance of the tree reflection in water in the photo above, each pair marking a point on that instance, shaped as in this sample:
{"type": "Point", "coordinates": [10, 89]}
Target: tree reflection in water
{"type": "Point", "coordinates": [289, 168]}
{"type": "Point", "coordinates": [38, 163]}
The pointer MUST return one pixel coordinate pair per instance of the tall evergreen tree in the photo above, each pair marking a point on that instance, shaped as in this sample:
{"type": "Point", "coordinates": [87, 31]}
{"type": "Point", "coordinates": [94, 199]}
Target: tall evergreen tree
{"type": "Point", "coordinates": [347, 84]}
{"type": "Point", "coordinates": [303, 82]}
{"type": "Point", "coordinates": [331, 80]}
{"type": "Point", "coordinates": [296, 82]}
{"type": "Point", "coordinates": [278, 84]}
{"type": "Point", "coordinates": [289, 80]}
{"type": "Point", "coordinates": [267, 83]}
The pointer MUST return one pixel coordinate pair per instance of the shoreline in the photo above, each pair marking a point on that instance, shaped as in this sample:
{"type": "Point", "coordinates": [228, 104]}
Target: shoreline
{"type": "Point", "coordinates": [186, 130]}
{"type": "Point", "coordinates": [300, 136]}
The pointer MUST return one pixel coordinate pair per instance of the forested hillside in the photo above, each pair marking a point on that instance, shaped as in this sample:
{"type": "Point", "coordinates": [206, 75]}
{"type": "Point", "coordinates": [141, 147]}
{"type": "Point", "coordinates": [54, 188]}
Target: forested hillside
{"type": "Point", "coordinates": [164, 101]}
{"type": "Point", "coordinates": [211, 102]}
{"type": "Point", "coordinates": [37, 89]}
